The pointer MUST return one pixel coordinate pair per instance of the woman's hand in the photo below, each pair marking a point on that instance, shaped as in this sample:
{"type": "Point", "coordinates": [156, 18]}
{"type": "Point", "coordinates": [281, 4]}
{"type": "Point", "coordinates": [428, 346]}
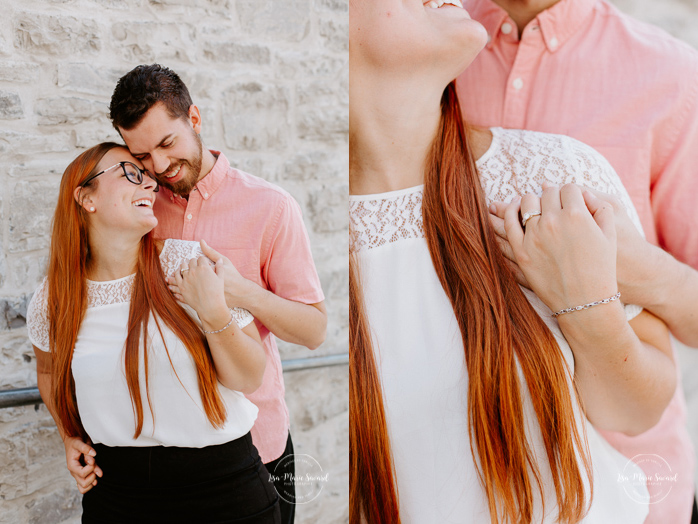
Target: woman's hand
{"type": "Point", "coordinates": [566, 254]}
{"type": "Point", "coordinates": [78, 452]}
{"type": "Point", "coordinates": [201, 287]}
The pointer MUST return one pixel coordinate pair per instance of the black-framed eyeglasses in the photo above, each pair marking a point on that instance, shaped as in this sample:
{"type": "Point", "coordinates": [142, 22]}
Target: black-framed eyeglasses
{"type": "Point", "coordinates": [132, 172]}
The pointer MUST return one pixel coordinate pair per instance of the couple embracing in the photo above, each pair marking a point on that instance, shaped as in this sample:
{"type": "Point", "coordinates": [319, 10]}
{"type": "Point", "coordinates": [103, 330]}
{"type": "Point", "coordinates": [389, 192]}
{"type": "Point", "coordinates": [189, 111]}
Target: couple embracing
{"type": "Point", "coordinates": [155, 351]}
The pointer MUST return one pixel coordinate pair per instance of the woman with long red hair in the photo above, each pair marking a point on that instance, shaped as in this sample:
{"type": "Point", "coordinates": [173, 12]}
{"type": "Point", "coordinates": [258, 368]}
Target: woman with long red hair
{"type": "Point", "coordinates": [472, 399]}
{"type": "Point", "coordinates": [156, 385]}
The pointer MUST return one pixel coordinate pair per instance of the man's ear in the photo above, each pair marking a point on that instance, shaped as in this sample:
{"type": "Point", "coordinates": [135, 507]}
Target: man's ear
{"type": "Point", "coordinates": [83, 197]}
{"type": "Point", "coordinates": [195, 118]}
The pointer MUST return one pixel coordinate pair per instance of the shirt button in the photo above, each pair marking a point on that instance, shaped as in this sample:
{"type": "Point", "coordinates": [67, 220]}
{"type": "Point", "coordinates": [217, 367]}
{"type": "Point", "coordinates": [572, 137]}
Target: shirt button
{"type": "Point", "coordinates": [518, 84]}
{"type": "Point", "coordinates": [553, 42]}
{"type": "Point", "coordinates": [189, 216]}
{"type": "Point", "coordinates": [506, 28]}
{"type": "Point", "coordinates": [205, 195]}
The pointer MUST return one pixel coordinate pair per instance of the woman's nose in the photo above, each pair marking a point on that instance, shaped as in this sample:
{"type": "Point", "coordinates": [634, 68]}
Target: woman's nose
{"type": "Point", "coordinates": [150, 183]}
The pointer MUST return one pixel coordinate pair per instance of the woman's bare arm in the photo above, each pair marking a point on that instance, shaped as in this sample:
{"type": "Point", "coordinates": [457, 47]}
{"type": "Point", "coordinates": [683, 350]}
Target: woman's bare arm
{"type": "Point", "coordinates": [77, 452]}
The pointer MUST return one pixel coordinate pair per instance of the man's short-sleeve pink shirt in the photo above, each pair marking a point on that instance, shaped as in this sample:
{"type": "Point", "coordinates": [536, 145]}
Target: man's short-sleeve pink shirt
{"type": "Point", "coordinates": [584, 69]}
{"type": "Point", "coordinates": [259, 227]}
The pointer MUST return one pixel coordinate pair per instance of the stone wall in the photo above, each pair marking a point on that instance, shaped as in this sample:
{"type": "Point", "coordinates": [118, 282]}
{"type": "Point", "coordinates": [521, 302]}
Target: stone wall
{"type": "Point", "coordinates": [271, 81]}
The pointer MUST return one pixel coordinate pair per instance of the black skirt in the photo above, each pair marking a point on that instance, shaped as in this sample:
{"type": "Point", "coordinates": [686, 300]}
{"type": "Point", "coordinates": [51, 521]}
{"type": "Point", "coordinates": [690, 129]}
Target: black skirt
{"type": "Point", "coordinates": [217, 484]}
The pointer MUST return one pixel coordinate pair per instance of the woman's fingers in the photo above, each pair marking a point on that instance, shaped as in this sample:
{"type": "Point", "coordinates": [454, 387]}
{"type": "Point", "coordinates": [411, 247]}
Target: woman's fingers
{"type": "Point", "coordinates": [497, 222]}
{"type": "Point", "coordinates": [530, 209]}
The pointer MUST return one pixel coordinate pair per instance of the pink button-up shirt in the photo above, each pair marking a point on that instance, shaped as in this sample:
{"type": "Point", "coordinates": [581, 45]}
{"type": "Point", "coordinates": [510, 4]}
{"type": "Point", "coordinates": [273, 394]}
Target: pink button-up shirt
{"type": "Point", "coordinates": [628, 89]}
{"type": "Point", "coordinates": [259, 227]}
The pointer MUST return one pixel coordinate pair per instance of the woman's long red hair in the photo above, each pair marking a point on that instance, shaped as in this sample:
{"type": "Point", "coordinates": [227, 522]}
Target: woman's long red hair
{"type": "Point", "coordinates": [69, 261]}
{"type": "Point", "coordinates": [500, 330]}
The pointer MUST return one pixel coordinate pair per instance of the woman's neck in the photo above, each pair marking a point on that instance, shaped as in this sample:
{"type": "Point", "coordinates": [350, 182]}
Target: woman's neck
{"type": "Point", "coordinates": [392, 124]}
{"type": "Point", "coordinates": [112, 257]}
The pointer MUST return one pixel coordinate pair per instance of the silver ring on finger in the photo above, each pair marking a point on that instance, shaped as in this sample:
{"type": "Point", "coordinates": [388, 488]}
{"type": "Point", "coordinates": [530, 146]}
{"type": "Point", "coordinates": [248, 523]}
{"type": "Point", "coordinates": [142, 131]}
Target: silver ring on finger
{"type": "Point", "coordinates": [527, 216]}
{"type": "Point", "coordinates": [181, 271]}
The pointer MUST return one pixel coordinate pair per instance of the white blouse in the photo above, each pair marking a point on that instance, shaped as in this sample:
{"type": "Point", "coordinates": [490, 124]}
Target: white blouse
{"type": "Point", "coordinates": [419, 351]}
{"type": "Point", "coordinates": [104, 403]}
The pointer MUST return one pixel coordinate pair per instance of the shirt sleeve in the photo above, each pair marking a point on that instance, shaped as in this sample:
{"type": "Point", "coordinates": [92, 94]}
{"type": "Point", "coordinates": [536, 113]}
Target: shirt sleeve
{"type": "Point", "coordinates": [288, 266]}
{"type": "Point", "coordinates": [675, 181]}
{"type": "Point", "coordinates": [37, 318]}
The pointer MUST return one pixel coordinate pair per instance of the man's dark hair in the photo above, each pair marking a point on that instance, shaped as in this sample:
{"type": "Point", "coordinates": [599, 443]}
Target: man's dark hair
{"type": "Point", "coordinates": [141, 88]}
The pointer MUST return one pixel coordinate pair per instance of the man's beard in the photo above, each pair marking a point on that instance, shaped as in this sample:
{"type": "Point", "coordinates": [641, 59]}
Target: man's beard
{"type": "Point", "coordinates": [183, 187]}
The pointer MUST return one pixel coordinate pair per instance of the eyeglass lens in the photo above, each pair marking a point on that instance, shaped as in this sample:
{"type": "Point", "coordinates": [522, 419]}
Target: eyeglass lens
{"type": "Point", "coordinates": [134, 174]}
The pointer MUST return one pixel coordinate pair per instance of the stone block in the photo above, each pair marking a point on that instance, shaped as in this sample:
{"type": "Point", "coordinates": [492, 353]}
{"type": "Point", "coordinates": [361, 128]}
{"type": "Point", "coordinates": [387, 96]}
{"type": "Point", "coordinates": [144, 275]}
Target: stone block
{"type": "Point", "coordinates": [335, 35]}
{"type": "Point", "coordinates": [10, 106]}
{"type": "Point", "coordinates": [101, 132]}
{"type": "Point", "coordinates": [87, 78]}
{"type": "Point", "coordinates": [27, 272]}
{"type": "Point", "coordinates": [271, 20]}
{"type": "Point", "coordinates": [317, 165]}
{"type": "Point", "coordinates": [22, 145]}
{"type": "Point", "coordinates": [56, 507]}
{"type": "Point", "coordinates": [69, 110]}
{"type": "Point", "coordinates": [256, 117]}
{"type": "Point", "coordinates": [329, 209]}
{"type": "Point", "coordinates": [56, 35]}
{"type": "Point", "coordinates": [148, 42]}
{"type": "Point", "coordinates": [266, 167]}
{"type": "Point", "coordinates": [17, 361]}
{"type": "Point", "coordinates": [323, 111]}
{"type": "Point", "coordinates": [234, 53]}
{"type": "Point", "coordinates": [13, 311]}
{"type": "Point", "coordinates": [339, 6]}
{"type": "Point", "coordinates": [35, 169]}
{"type": "Point", "coordinates": [307, 64]}
{"type": "Point", "coordinates": [316, 395]}
{"type": "Point", "coordinates": [31, 210]}
{"type": "Point", "coordinates": [19, 72]}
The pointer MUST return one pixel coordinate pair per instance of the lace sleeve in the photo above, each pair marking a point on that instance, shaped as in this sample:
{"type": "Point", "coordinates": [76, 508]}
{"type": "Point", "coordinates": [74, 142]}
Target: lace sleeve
{"type": "Point", "coordinates": [242, 317]}
{"type": "Point", "coordinates": [37, 318]}
{"type": "Point", "coordinates": [520, 161]}
{"type": "Point", "coordinates": [177, 251]}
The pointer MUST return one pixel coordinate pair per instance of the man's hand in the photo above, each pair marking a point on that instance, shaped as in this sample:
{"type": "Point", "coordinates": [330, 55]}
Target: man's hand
{"type": "Point", "coordinates": [634, 252]}
{"type": "Point", "coordinates": [237, 288]}
{"type": "Point", "coordinates": [77, 452]}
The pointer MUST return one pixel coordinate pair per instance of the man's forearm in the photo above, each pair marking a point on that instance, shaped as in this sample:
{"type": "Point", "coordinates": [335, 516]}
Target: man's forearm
{"type": "Point", "coordinates": [295, 322]}
{"type": "Point", "coordinates": [668, 289]}
{"type": "Point", "coordinates": [625, 382]}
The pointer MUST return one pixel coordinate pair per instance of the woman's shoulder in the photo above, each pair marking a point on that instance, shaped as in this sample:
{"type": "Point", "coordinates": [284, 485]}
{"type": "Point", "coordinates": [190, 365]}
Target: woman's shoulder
{"type": "Point", "coordinates": [175, 252]}
{"type": "Point", "coordinates": [519, 161]}
{"type": "Point", "coordinates": [37, 317]}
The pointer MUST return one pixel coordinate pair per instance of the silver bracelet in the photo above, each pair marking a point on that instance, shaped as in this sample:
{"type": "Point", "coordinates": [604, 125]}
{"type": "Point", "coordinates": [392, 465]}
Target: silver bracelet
{"type": "Point", "coordinates": [587, 306]}
{"type": "Point", "coordinates": [232, 318]}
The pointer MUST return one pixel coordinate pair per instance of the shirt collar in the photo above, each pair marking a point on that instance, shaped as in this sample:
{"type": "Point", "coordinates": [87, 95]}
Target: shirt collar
{"type": "Point", "coordinates": [208, 185]}
{"type": "Point", "coordinates": [557, 23]}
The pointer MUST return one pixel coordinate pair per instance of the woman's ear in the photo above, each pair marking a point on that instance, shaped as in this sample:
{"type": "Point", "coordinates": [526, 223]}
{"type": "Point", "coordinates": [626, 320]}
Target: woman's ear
{"type": "Point", "coordinates": [83, 198]}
